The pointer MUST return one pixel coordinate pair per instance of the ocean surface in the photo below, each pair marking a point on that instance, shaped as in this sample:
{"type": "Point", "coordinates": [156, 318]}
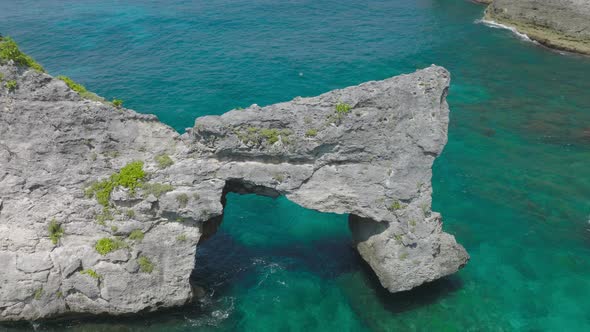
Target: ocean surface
{"type": "Point", "coordinates": [513, 183]}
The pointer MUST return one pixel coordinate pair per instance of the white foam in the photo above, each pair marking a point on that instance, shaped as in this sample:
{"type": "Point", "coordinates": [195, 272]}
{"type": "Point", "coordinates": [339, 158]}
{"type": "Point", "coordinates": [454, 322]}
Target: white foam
{"type": "Point", "coordinates": [496, 25]}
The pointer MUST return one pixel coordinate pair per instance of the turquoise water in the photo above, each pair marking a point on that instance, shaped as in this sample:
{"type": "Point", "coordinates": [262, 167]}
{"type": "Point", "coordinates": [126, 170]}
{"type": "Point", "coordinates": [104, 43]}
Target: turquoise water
{"type": "Point", "coordinates": [513, 182]}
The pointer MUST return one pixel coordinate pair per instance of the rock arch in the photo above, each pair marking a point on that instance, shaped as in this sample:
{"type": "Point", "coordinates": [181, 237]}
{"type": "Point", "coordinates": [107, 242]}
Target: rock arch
{"type": "Point", "coordinates": [366, 151]}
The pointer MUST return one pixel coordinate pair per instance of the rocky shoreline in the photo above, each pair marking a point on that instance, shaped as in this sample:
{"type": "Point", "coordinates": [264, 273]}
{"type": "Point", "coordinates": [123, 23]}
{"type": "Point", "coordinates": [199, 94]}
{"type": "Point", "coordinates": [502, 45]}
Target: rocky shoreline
{"type": "Point", "coordinates": [559, 24]}
{"type": "Point", "coordinates": [102, 208]}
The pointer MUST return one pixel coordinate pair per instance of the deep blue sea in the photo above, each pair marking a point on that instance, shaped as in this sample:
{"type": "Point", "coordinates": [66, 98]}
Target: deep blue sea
{"type": "Point", "coordinates": [513, 183]}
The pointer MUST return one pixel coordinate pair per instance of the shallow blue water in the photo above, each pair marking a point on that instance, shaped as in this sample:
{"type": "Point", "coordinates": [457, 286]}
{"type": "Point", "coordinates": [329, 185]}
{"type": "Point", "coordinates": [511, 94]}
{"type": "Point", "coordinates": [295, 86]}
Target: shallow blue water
{"type": "Point", "coordinates": [513, 182]}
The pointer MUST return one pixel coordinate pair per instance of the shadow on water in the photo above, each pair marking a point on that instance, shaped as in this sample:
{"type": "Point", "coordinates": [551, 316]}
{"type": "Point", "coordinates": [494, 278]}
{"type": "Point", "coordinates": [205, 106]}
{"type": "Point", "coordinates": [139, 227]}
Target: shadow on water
{"type": "Point", "coordinates": [222, 261]}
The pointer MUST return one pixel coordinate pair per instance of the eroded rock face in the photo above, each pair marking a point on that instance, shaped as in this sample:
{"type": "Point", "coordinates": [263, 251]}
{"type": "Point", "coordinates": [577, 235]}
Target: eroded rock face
{"type": "Point", "coordinates": [365, 150]}
{"type": "Point", "coordinates": [560, 24]}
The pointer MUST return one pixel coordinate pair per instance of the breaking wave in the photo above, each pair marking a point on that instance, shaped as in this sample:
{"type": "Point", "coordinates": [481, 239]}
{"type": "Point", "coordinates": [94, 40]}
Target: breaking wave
{"type": "Point", "coordinates": [496, 25]}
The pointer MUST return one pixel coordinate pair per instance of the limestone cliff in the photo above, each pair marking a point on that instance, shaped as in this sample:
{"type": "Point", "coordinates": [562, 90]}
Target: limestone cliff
{"type": "Point", "coordinates": [102, 208]}
{"type": "Point", "coordinates": [560, 24]}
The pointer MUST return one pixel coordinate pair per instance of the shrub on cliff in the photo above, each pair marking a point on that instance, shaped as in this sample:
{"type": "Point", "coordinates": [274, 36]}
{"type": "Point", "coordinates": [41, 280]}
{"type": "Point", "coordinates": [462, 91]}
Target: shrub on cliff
{"type": "Point", "coordinates": [9, 51]}
{"type": "Point", "coordinates": [10, 85]}
{"type": "Point", "coordinates": [79, 88]}
{"type": "Point", "coordinates": [145, 264]}
{"type": "Point", "coordinates": [156, 189]}
{"type": "Point", "coordinates": [55, 231]}
{"type": "Point", "coordinates": [91, 273]}
{"type": "Point", "coordinates": [164, 161]}
{"type": "Point", "coordinates": [311, 133]}
{"type": "Point", "coordinates": [107, 245]}
{"type": "Point", "coordinates": [182, 200]}
{"type": "Point", "coordinates": [130, 176]}
{"type": "Point", "coordinates": [136, 235]}
{"type": "Point", "coordinates": [118, 103]}
{"type": "Point", "coordinates": [343, 108]}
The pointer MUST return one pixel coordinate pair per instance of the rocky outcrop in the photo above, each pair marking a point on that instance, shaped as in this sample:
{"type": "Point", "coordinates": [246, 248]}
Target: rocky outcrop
{"type": "Point", "coordinates": [102, 208]}
{"type": "Point", "coordinates": [560, 24]}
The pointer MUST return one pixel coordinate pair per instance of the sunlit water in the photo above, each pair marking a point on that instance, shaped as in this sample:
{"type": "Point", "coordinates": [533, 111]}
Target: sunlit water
{"type": "Point", "coordinates": [513, 182]}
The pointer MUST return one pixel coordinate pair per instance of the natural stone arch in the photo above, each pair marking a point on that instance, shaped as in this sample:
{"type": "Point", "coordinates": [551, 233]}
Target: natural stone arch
{"type": "Point", "coordinates": [366, 151]}
{"type": "Point", "coordinates": [442, 256]}
{"type": "Point", "coordinates": [370, 156]}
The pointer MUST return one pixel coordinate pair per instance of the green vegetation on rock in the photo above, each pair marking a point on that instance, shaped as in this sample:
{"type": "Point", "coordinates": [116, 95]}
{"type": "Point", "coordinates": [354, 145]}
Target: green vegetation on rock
{"type": "Point", "coordinates": [130, 176]}
{"type": "Point", "coordinates": [271, 135]}
{"type": "Point", "coordinates": [136, 235]}
{"type": "Point", "coordinates": [9, 51]}
{"type": "Point", "coordinates": [182, 199]}
{"type": "Point", "coordinates": [38, 294]}
{"type": "Point", "coordinates": [253, 135]}
{"type": "Point", "coordinates": [104, 216]}
{"type": "Point", "coordinates": [156, 189]}
{"type": "Point", "coordinates": [79, 88]}
{"type": "Point", "coordinates": [311, 133]}
{"type": "Point", "coordinates": [91, 273]}
{"type": "Point", "coordinates": [395, 205]}
{"type": "Point", "coordinates": [10, 85]}
{"type": "Point", "coordinates": [130, 213]}
{"type": "Point", "coordinates": [164, 161]}
{"type": "Point", "coordinates": [145, 264]}
{"type": "Point", "coordinates": [343, 108]}
{"type": "Point", "coordinates": [278, 177]}
{"type": "Point", "coordinates": [107, 245]}
{"type": "Point", "coordinates": [181, 238]}
{"type": "Point", "coordinates": [55, 231]}
{"type": "Point", "coordinates": [118, 103]}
